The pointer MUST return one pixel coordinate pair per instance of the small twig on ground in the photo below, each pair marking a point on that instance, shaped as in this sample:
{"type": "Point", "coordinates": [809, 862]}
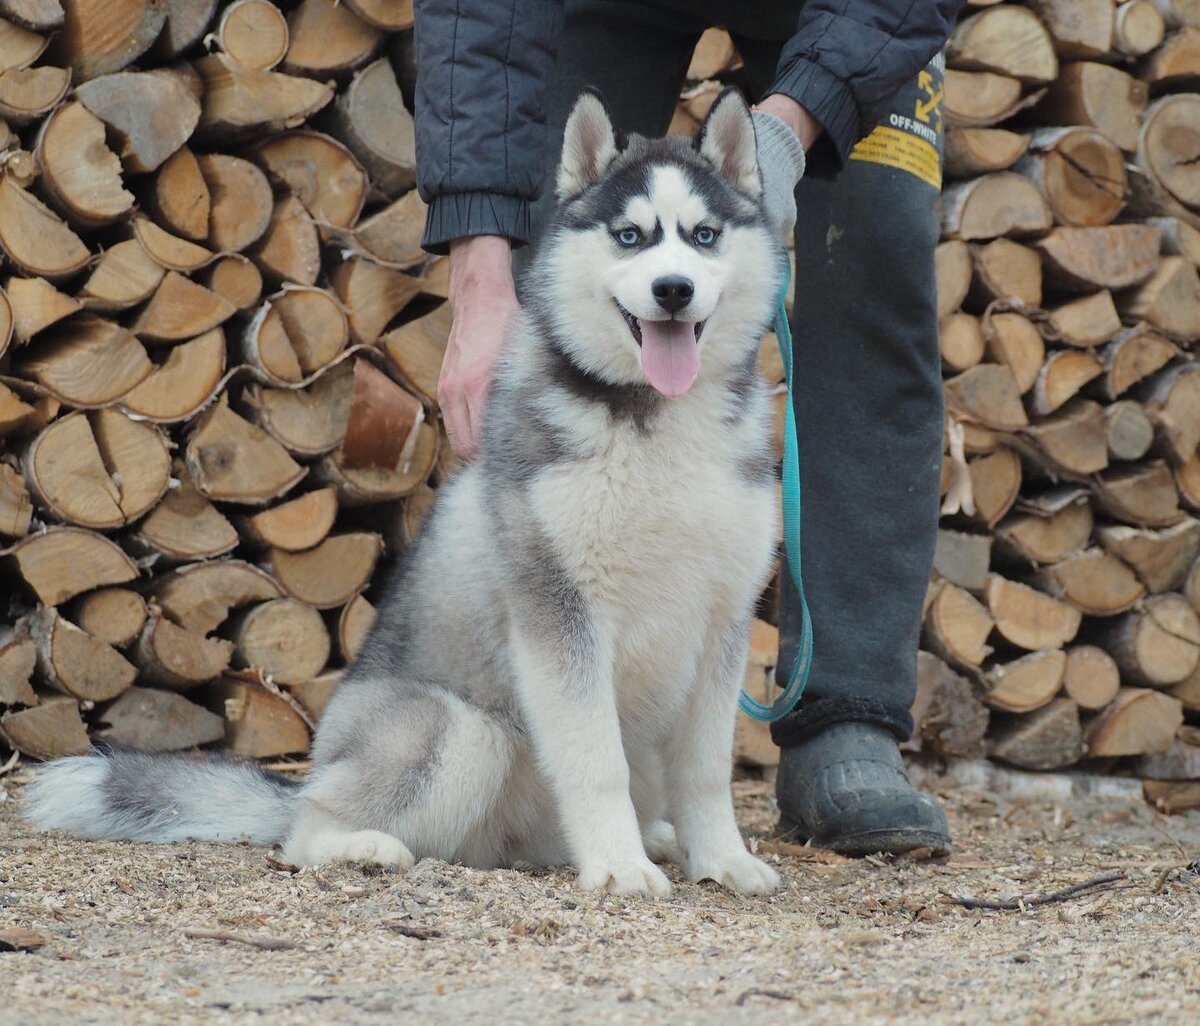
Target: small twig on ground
{"type": "Point", "coordinates": [263, 943]}
{"type": "Point", "coordinates": [11, 764]}
{"type": "Point", "coordinates": [1085, 889]}
{"type": "Point", "coordinates": [746, 995]}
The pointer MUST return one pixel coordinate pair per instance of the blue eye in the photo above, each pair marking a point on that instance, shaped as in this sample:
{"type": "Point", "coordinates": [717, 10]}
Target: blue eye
{"type": "Point", "coordinates": [705, 236]}
{"type": "Point", "coordinates": [629, 236]}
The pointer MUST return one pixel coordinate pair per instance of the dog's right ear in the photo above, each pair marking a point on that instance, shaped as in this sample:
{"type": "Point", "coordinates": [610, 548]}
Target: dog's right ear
{"type": "Point", "coordinates": [589, 146]}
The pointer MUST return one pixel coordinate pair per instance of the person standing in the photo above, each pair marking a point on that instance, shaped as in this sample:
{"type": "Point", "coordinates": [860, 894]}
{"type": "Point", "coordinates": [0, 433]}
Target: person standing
{"type": "Point", "coordinates": [858, 85]}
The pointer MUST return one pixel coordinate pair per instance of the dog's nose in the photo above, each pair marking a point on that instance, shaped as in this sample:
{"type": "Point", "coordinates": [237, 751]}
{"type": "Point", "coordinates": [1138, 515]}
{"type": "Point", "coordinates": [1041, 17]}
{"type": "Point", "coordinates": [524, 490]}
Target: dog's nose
{"type": "Point", "coordinates": [673, 292]}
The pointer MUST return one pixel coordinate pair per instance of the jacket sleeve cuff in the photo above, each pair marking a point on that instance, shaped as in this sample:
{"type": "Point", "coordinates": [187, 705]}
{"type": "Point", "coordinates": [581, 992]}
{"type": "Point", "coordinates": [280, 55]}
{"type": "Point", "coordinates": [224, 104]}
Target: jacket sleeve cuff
{"type": "Point", "coordinates": [827, 98]}
{"type": "Point", "coordinates": [456, 215]}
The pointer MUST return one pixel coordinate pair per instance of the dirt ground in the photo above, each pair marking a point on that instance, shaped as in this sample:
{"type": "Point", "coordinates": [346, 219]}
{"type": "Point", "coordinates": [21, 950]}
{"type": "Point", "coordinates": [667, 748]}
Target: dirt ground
{"type": "Point", "coordinates": [873, 941]}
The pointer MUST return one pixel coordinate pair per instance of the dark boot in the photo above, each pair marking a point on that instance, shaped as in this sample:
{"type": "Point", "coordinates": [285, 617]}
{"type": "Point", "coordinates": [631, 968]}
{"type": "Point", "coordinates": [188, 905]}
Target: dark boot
{"type": "Point", "coordinates": [845, 789]}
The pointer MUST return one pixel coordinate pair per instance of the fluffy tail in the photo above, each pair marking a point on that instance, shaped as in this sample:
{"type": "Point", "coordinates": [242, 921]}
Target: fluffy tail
{"type": "Point", "coordinates": [123, 795]}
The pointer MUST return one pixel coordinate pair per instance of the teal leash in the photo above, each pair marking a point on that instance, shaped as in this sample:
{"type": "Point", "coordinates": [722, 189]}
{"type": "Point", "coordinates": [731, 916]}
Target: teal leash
{"type": "Point", "coordinates": [786, 702]}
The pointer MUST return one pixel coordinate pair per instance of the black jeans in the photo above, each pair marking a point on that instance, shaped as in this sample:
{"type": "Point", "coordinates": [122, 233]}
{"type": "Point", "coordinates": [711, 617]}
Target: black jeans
{"type": "Point", "coordinates": [867, 364]}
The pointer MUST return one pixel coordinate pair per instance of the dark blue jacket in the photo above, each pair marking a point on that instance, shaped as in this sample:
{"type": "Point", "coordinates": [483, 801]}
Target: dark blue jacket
{"type": "Point", "coordinates": [485, 66]}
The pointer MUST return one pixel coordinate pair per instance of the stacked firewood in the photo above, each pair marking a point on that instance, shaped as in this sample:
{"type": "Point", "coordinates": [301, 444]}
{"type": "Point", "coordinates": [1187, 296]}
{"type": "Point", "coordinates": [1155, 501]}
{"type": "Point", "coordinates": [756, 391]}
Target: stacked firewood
{"type": "Point", "coordinates": [219, 348]}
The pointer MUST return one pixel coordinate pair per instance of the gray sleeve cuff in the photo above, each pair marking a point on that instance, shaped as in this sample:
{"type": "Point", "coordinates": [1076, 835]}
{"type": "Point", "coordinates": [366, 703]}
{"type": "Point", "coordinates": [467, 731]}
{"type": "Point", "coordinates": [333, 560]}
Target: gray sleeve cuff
{"type": "Point", "coordinates": [457, 215]}
{"type": "Point", "coordinates": [777, 145]}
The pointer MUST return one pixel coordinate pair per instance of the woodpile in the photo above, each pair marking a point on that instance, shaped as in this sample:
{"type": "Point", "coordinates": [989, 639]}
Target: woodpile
{"type": "Point", "coordinates": [219, 345]}
{"type": "Point", "coordinates": [220, 342]}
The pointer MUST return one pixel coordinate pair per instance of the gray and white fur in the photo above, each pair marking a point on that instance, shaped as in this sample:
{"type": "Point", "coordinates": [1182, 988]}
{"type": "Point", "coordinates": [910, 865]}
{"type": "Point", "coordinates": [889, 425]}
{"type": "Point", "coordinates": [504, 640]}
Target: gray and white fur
{"type": "Point", "coordinates": [553, 675]}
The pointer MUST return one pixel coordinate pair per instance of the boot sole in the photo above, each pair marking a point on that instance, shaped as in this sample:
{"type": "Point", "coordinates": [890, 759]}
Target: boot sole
{"type": "Point", "coordinates": [887, 842]}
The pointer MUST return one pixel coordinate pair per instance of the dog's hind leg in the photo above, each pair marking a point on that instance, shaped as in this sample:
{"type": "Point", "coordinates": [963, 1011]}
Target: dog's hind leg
{"type": "Point", "coordinates": [402, 774]}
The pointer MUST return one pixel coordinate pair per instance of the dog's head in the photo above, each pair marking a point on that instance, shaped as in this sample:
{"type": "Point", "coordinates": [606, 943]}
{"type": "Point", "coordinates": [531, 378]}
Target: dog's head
{"type": "Point", "coordinates": [660, 267]}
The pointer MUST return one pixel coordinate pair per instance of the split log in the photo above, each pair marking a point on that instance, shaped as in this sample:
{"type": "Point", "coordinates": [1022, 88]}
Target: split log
{"type": "Point", "coordinates": [16, 509]}
{"type": "Point", "coordinates": [369, 116]}
{"type": "Point", "coordinates": [1086, 323]}
{"type": "Point", "coordinates": [1048, 739]}
{"type": "Point", "coordinates": [330, 574]}
{"type": "Point", "coordinates": [328, 38]}
{"type": "Point", "coordinates": [112, 615]}
{"type": "Point", "coordinates": [320, 172]}
{"type": "Point", "coordinates": [284, 639]}
{"type": "Point", "coordinates": [259, 723]}
{"type": "Point", "coordinates": [254, 33]}
{"type": "Point", "coordinates": [87, 362]}
{"type": "Point", "coordinates": [1092, 679]}
{"type": "Point", "coordinates": [157, 721]}
{"type": "Point", "coordinates": [34, 238]}
{"type": "Point", "coordinates": [1080, 172]}
{"type": "Point", "coordinates": [231, 460]}
{"type": "Point", "coordinates": [36, 305]}
{"type": "Point", "coordinates": [1176, 65]}
{"type": "Point", "coordinates": [1027, 683]}
{"type": "Point", "coordinates": [18, 656]}
{"type": "Point", "coordinates": [1097, 96]}
{"type": "Point", "coordinates": [1004, 40]}
{"type": "Point", "coordinates": [1006, 270]}
{"type": "Point", "coordinates": [357, 619]}
{"type": "Point", "coordinates": [1071, 442]}
{"type": "Point", "coordinates": [1179, 13]}
{"type": "Point", "coordinates": [1178, 238]}
{"type": "Point", "coordinates": [962, 558]}
{"type": "Point", "coordinates": [50, 730]}
{"type": "Point", "coordinates": [124, 276]}
{"type": "Point", "coordinates": [416, 349]}
{"type": "Point", "coordinates": [1187, 691]}
{"type": "Point", "coordinates": [1113, 257]}
{"type": "Point", "coordinates": [392, 236]}
{"type": "Point", "coordinates": [292, 526]}
{"type": "Point", "coordinates": [185, 526]}
{"type": "Point", "coordinates": [1139, 28]}
{"type": "Point", "coordinates": [74, 662]}
{"type": "Point", "coordinates": [175, 658]}
{"type": "Point", "coordinates": [102, 36]}
{"type": "Point", "coordinates": [1095, 582]}
{"type": "Point", "coordinates": [19, 45]}
{"type": "Point", "coordinates": [290, 251]}
{"type": "Point", "coordinates": [305, 421]}
{"type": "Point", "coordinates": [34, 15]}
{"type": "Point", "coordinates": [976, 151]}
{"type": "Point", "coordinates": [957, 627]}
{"type": "Point", "coordinates": [27, 94]}
{"type": "Point", "coordinates": [150, 115]}
{"type": "Point", "coordinates": [1170, 796]}
{"type": "Point", "coordinates": [296, 333]}
{"type": "Point", "coordinates": [180, 195]}
{"type": "Point", "coordinates": [1004, 203]}
{"type": "Point", "coordinates": [417, 507]}
{"type": "Point", "coordinates": [180, 309]}
{"type": "Point", "coordinates": [237, 279]}
{"type": "Point", "coordinates": [952, 269]}
{"type": "Point", "coordinates": [1029, 618]}
{"type": "Point", "coordinates": [995, 484]}
{"type": "Point", "coordinates": [79, 172]}
{"type": "Point", "coordinates": [1078, 28]}
{"type": "Point", "coordinates": [986, 394]}
{"type": "Point", "coordinates": [1187, 482]}
{"type": "Point", "coordinates": [314, 695]}
{"type": "Point", "coordinates": [950, 719]}
{"type": "Point", "coordinates": [1043, 540]}
{"type": "Point", "coordinates": [63, 562]}
{"type": "Point", "coordinates": [1063, 374]}
{"type": "Point", "coordinates": [1173, 404]}
{"type": "Point", "coordinates": [1169, 300]}
{"type": "Point", "coordinates": [1014, 341]}
{"type": "Point", "coordinates": [200, 596]}
{"type": "Point", "coordinates": [170, 251]}
{"type": "Point", "coordinates": [1128, 431]}
{"type": "Point", "coordinates": [977, 99]}
{"type": "Point", "coordinates": [1144, 496]}
{"type": "Point", "coordinates": [182, 384]}
{"type": "Point", "coordinates": [1137, 722]}
{"type": "Point", "coordinates": [1132, 356]}
{"type": "Point", "coordinates": [373, 295]}
{"type": "Point", "coordinates": [240, 201]}
{"type": "Point", "coordinates": [1179, 762]}
{"type": "Point", "coordinates": [16, 415]}
{"type": "Point", "coordinates": [241, 102]}
{"type": "Point", "coordinates": [1156, 646]}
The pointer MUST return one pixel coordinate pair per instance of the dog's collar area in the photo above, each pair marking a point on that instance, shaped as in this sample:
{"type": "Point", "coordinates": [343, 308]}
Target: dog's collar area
{"type": "Point", "coordinates": [635, 326]}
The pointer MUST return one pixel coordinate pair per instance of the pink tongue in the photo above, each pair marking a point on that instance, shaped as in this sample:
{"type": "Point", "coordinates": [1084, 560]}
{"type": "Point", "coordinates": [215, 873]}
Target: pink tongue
{"type": "Point", "coordinates": [670, 355]}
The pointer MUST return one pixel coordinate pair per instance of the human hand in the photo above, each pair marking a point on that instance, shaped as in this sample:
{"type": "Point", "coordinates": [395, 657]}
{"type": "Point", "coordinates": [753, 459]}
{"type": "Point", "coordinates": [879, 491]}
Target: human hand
{"type": "Point", "coordinates": [805, 127]}
{"type": "Point", "coordinates": [783, 130]}
{"type": "Point", "coordinates": [484, 300]}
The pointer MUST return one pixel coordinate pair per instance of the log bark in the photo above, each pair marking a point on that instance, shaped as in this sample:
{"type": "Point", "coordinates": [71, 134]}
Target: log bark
{"type": "Point", "coordinates": [1050, 738]}
{"type": "Point", "coordinates": [963, 558]}
{"type": "Point", "coordinates": [157, 721]}
{"type": "Point", "coordinates": [950, 719]}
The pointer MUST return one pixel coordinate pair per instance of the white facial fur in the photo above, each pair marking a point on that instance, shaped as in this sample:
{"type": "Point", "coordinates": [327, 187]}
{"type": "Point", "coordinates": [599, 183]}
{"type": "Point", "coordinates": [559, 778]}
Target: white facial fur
{"type": "Point", "coordinates": [735, 281]}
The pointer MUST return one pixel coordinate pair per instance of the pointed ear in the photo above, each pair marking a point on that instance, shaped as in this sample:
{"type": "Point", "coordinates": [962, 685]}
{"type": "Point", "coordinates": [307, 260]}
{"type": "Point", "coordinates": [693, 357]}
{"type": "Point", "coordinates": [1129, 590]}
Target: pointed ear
{"type": "Point", "coordinates": [726, 140]}
{"type": "Point", "coordinates": [589, 145]}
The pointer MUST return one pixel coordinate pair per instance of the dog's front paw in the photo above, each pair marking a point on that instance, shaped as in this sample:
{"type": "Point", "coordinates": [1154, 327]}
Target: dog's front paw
{"type": "Point", "coordinates": [738, 870]}
{"type": "Point", "coordinates": [625, 876]}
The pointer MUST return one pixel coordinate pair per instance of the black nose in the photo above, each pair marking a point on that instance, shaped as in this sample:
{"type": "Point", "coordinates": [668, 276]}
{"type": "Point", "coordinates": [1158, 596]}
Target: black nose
{"type": "Point", "coordinates": [673, 292]}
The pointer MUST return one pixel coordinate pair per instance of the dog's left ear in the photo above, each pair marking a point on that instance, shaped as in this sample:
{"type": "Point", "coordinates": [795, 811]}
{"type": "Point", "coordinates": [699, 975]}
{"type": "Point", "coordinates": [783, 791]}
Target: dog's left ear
{"type": "Point", "coordinates": [726, 140]}
{"type": "Point", "coordinates": [589, 146]}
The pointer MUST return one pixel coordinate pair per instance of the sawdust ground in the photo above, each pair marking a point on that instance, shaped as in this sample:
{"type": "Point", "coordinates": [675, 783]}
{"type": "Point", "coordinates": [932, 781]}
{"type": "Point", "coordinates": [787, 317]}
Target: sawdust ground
{"type": "Point", "coordinates": [845, 942]}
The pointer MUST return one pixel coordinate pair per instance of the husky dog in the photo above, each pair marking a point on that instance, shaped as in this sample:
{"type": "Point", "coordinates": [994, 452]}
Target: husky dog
{"type": "Point", "coordinates": [553, 676]}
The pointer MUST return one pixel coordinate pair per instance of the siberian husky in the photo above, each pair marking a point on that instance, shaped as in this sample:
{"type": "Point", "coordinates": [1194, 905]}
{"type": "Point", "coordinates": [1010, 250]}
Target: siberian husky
{"type": "Point", "coordinates": [553, 677]}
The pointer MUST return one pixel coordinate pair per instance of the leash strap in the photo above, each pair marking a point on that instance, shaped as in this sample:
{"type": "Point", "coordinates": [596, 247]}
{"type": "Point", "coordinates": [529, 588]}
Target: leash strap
{"type": "Point", "coordinates": [786, 702]}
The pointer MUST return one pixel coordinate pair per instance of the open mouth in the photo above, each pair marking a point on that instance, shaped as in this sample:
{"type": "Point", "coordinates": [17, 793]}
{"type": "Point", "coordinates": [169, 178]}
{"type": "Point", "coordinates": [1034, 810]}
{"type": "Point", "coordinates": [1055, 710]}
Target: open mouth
{"type": "Point", "coordinates": [635, 325]}
{"type": "Point", "coordinates": [670, 351]}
